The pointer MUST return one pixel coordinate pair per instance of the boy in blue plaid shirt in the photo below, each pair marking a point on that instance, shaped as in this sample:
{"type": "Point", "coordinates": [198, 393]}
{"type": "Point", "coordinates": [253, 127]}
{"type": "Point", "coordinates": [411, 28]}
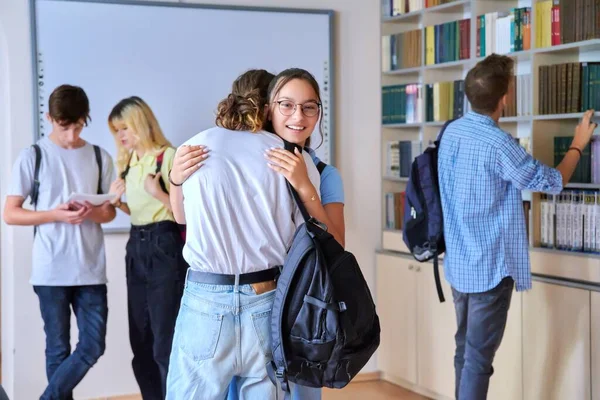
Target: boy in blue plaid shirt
{"type": "Point", "coordinates": [482, 172]}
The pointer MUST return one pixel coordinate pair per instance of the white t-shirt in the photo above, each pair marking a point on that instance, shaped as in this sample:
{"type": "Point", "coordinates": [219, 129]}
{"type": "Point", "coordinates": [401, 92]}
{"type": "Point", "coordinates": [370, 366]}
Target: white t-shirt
{"type": "Point", "coordinates": [64, 254]}
{"type": "Point", "coordinates": [240, 215]}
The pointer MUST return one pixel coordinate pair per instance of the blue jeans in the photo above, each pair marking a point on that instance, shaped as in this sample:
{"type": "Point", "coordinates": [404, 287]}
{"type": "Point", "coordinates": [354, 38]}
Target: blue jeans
{"type": "Point", "coordinates": [63, 368]}
{"type": "Point", "coordinates": [481, 320]}
{"type": "Point", "coordinates": [297, 391]}
{"type": "Point", "coordinates": [3, 395]}
{"type": "Point", "coordinates": [155, 276]}
{"type": "Point", "coordinates": [221, 331]}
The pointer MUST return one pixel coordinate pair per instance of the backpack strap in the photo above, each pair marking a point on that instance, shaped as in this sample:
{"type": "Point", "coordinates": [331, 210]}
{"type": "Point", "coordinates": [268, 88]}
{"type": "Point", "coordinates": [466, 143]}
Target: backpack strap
{"type": "Point", "coordinates": [99, 162]}
{"type": "Point", "coordinates": [321, 166]}
{"type": "Point", "coordinates": [438, 283]}
{"type": "Point", "coordinates": [290, 147]}
{"type": "Point", "coordinates": [439, 137]}
{"type": "Point", "coordinates": [436, 267]}
{"type": "Point", "coordinates": [126, 170]}
{"type": "Point", "coordinates": [35, 191]}
{"type": "Point", "coordinates": [159, 161]}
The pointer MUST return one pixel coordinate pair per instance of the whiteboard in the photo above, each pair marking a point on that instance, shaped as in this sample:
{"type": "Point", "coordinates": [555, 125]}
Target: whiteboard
{"type": "Point", "coordinates": [180, 58]}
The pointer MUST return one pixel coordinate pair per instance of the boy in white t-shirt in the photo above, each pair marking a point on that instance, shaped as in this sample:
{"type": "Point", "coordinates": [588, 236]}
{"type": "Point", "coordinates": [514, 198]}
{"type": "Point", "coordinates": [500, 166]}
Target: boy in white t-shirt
{"type": "Point", "coordinates": [69, 263]}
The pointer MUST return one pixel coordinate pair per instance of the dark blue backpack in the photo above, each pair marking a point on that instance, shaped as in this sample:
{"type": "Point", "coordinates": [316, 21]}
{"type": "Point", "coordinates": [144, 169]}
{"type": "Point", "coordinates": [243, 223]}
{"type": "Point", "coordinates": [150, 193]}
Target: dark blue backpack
{"type": "Point", "coordinates": [423, 224]}
{"type": "Point", "coordinates": [324, 326]}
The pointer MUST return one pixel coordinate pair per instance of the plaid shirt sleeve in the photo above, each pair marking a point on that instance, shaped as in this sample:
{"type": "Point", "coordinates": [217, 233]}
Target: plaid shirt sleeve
{"type": "Point", "coordinates": [517, 166]}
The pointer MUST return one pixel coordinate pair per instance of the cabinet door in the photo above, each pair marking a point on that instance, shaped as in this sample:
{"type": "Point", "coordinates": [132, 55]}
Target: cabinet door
{"type": "Point", "coordinates": [595, 373]}
{"type": "Point", "coordinates": [435, 333]}
{"type": "Point", "coordinates": [396, 307]}
{"type": "Point", "coordinates": [556, 343]}
{"type": "Point", "coordinates": [507, 381]}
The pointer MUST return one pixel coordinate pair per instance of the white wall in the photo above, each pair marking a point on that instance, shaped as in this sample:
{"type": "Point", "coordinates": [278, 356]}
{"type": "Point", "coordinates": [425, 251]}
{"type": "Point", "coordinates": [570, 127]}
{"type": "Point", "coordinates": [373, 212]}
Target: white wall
{"type": "Point", "coordinates": [357, 102]}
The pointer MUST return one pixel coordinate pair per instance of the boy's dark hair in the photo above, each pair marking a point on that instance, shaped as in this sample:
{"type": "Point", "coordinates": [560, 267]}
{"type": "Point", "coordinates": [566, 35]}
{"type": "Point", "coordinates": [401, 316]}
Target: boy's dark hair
{"type": "Point", "coordinates": [488, 81]}
{"type": "Point", "coordinates": [244, 107]}
{"type": "Point", "coordinates": [68, 105]}
{"type": "Point", "coordinates": [288, 75]}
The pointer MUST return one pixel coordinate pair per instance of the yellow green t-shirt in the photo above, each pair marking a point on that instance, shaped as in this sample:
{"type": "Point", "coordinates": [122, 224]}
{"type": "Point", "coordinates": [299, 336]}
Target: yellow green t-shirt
{"type": "Point", "coordinates": [144, 208]}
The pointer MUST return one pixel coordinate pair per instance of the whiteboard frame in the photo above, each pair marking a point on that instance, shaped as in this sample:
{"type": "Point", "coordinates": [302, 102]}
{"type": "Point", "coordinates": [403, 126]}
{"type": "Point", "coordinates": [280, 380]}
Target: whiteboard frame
{"type": "Point", "coordinates": [331, 83]}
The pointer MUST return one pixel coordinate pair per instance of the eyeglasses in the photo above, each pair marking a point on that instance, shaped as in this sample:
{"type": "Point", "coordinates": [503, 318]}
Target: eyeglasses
{"type": "Point", "coordinates": [309, 109]}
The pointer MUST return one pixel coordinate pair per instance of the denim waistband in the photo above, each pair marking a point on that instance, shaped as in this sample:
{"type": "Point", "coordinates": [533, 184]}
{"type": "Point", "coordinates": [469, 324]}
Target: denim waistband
{"type": "Point", "coordinates": [154, 228]}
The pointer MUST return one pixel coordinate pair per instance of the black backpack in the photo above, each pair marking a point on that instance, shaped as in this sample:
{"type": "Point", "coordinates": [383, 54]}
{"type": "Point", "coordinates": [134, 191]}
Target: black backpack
{"type": "Point", "coordinates": [423, 222]}
{"type": "Point", "coordinates": [35, 191]}
{"type": "Point", "coordinates": [324, 326]}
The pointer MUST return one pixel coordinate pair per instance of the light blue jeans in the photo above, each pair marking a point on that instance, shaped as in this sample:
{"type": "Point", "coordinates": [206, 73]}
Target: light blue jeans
{"type": "Point", "coordinates": [298, 392]}
{"type": "Point", "coordinates": [221, 331]}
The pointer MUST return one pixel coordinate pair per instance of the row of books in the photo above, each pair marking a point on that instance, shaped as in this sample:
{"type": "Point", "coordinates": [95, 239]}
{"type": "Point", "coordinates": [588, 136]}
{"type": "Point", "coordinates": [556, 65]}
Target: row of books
{"type": "Point", "coordinates": [571, 221]}
{"type": "Point", "coordinates": [445, 100]}
{"type": "Point", "coordinates": [520, 98]}
{"type": "Point", "coordinates": [390, 8]}
{"type": "Point", "coordinates": [569, 87]}
{"type": "Point", "coordinates": [394, 210]}
{"type": "Point", "coordinates": [402, 104]}
{"type": "Point", "coordinates": [400, 155]}
{"type": "Point", "coordinates": [503, 32]}
{"type": "Point", "coordinates": [567, 21]}
{"type": "Point", "coordinates": [401, 50]}
{"type": "Point", "coordinates": [583, 171]}
{"type": "Point", "coordinates": [447, 42]}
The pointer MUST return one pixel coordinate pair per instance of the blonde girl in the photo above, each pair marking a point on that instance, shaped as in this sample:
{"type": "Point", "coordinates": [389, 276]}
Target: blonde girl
{"type": "Point", "coordinates": [155, 267]}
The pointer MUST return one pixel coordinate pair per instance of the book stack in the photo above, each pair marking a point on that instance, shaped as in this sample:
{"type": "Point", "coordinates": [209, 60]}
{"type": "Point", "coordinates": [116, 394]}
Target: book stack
{"type": "Point", "coordinates": [571, 221]}
{"type": "Point", "coordinates": [401, 50]}
{"type": "Point", "coordinates": [402, 104]}
{"type": "Point", "coordinates": [391, 8]}
{"type": "Point", "coordinates": [503, 32]}
{"type": "Point", "coordinates": [400, 155]}
{"type": "Point", "coordinates": [394, 210]}
{"type": "Point", "coordinates": [445, 100]}
{"type": "Point", "coordinates": [583, 172]}
{"type": "Point", "coordinates": [448, 42]}
{"type": "Point", "coordinates": [569, 87]}
{"type": "Point", "coordinates": [519, 100]}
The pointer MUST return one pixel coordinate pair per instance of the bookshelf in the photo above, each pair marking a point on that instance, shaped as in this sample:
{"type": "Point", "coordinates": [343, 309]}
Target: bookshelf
{"type": "Point", "coordinates": [526, 30]}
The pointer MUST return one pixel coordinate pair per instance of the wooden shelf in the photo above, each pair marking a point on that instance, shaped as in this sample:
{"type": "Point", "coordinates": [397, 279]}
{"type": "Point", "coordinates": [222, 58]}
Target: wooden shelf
{"type": "Point", "coordinates": [518, 55]}
{"type": "Point", "coordinates": [402, 126]}
{"type": "Point", "coordinates": [570, 48]}
{"type": "Point", "coordinates": [562, 116]}
{"type": "Point", "coordinates": [449, 65]}
{"type": "Point", "coordinates": [395, 178]}
{"type": "Point", "coordinates": [412, 17]}
{"type": "Point", "coordinates": [404, 71]}
{"type": "Point", "coordinates": [449, 7]}
{"type": "Point", "coordinates": [582, 186]}
{"type": "Point", "coordinates": [415, 16]}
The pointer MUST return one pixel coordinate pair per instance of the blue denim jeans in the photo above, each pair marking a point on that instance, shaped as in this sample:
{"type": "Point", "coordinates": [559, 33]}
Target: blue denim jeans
{"type": "Point", "coordinates": [155, 277]}
{"type": "Point", "coordinates": [221, 331]}
{"type": "Point", "coordinates": [481, 320]}
{"type": "Point", "coordinates": [65, 369]}
{"type": "Point", "coordinates": [297, 391]}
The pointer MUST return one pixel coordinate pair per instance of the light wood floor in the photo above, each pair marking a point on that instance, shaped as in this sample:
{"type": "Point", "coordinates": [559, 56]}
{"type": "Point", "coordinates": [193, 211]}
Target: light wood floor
{"type": "Point", "coordinates": [372, 390]}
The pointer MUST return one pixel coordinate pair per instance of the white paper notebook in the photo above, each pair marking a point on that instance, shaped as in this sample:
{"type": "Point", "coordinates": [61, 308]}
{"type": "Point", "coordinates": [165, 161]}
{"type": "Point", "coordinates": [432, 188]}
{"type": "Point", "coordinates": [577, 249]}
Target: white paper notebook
{"type": "Point", "coordinates": [95, 199]}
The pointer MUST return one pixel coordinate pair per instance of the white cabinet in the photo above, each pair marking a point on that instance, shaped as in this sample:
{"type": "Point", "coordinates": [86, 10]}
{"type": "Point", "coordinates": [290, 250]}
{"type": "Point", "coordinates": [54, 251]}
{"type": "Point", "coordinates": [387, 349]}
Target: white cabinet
{"type": "Point", "coordinates": [417, 343]}
{"type": "Point", "coordinates": [507, 380]}
{"type": "Point", "coordinates": [595, 373]}
{"type": "Point", "coordinates": [396, 296]}
{"type": "Point", "coordinates": [556, 343]}
{"type": "Point", "coordinates": [435, 333]}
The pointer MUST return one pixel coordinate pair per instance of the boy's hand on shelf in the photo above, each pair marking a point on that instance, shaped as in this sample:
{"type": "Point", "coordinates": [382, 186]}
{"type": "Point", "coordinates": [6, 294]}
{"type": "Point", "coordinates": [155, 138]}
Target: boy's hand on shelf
{"type": "Point", "coordinates": [584, 130]}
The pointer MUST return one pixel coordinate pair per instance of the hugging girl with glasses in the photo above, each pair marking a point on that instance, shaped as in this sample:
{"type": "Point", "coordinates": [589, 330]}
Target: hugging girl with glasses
{"type": "Point", "coordinates": [294, 110]}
